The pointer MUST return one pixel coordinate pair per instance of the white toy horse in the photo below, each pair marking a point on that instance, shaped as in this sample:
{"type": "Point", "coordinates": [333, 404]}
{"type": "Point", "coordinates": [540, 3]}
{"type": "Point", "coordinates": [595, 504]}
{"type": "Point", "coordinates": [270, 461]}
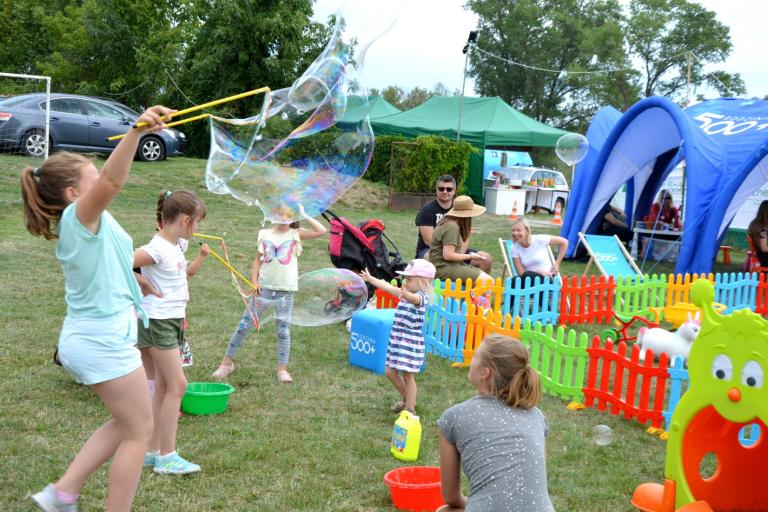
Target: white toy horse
{"type": "Point", "coordinates": [676, 343]}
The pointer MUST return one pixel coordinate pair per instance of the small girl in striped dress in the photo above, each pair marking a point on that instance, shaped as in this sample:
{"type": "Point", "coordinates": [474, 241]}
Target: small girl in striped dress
{"type": "Point", "coordinates": [405, 354]}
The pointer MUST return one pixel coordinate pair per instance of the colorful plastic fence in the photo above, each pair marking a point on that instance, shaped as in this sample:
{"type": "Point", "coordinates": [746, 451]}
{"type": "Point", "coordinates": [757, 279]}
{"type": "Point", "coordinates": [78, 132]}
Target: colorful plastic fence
{"type": "Point", "coordinates": [445, 325]}
{"type": "Point", "coordinates": [536, 300]}
{"type": "Point", "coordinates": [761, 295]}
{"type": "Point", "coordinates": [625, 385]}
{"type": "Point", "coordinates": [638, 294]}
{"type": "Point", "coordinates": [736, 291]}
{"type": "Point", "coordinates": [385, 300]}
{"type": "Point", "coordinates": [586, 300]}
{"type": "Point", "coordinates": [559, 356]}
{"type": "Point", "coordinates": [481, 321]}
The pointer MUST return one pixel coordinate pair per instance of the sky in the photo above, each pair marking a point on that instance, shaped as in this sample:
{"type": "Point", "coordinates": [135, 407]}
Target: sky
{"type": "Point", "coordinates": [422, 49]}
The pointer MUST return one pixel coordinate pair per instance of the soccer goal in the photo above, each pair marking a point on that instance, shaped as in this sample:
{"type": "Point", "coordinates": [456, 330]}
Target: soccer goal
{"type": "Point", "coordinates": [25, 106]}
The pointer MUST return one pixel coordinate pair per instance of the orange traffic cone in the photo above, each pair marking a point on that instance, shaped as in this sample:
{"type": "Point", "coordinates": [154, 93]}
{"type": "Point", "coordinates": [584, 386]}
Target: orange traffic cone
{"type": "Point", "coordinates": [557, 219]}
{"type": "Point", "coordinates": [513, 215]}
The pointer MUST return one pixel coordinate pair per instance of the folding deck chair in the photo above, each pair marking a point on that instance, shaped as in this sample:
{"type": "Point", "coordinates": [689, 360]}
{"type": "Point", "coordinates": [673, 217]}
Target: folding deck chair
{"type": "Point", "coordinates": [613, 260]}
{"type": "Point", "coordinates": [609, 255]}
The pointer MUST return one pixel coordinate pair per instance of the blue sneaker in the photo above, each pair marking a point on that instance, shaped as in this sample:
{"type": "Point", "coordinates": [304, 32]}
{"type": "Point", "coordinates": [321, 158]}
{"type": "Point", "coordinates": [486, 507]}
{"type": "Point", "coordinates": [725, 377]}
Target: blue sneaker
{"type": "Point", "coordinates": [47, 501]}
{"type": "Point", "coordinates": [150, 458]}
{"type": "Point", "coordinates": [174, 464]}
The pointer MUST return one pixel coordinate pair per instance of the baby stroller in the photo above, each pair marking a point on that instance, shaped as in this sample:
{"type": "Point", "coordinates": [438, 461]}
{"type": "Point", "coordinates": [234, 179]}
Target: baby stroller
{"type": "Point", "coordinates": [357, 247]}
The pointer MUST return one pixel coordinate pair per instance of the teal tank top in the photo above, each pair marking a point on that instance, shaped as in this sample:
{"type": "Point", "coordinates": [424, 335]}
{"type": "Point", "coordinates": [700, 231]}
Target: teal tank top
{"type": "Point", "coordinates": [98, 268]}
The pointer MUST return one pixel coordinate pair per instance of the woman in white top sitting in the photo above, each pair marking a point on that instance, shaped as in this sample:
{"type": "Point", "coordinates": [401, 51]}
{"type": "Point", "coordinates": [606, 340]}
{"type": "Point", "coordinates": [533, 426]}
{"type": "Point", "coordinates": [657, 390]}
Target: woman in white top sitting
{"type": "Point", "coordinates": [530, 253]}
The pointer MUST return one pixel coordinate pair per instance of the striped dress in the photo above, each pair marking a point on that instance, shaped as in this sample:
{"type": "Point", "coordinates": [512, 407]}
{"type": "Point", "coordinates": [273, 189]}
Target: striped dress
{"type": "Point", "coordinates": [406, 340]}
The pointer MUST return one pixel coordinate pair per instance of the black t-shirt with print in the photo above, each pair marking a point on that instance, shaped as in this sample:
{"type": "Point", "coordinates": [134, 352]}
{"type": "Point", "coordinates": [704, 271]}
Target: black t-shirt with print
{"type": "Point", "coordinates": [429, 215]}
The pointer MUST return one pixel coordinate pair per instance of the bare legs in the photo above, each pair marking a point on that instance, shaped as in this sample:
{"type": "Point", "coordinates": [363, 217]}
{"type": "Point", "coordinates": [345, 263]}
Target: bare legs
{"type": "Point", "coordinates": [405, 382]}
{"type": "Point", "coordinates": [124, 436]}
{"type": "Point", "coordinates": [170, 386]}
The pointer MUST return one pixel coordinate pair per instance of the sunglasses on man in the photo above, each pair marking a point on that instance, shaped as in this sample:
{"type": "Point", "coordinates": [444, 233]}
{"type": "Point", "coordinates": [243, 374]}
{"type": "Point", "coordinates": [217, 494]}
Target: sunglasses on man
{"type": "Point", "coordinates": [445, 189]}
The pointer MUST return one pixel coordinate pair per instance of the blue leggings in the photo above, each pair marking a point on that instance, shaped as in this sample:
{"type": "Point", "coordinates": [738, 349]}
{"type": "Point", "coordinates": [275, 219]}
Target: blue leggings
{"type": "Point", "coordinates": [259, 304]}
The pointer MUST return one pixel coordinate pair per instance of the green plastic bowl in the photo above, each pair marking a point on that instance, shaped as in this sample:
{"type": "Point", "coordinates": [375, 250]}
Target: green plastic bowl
{"type": "Point", "coordinates": [206, 397]}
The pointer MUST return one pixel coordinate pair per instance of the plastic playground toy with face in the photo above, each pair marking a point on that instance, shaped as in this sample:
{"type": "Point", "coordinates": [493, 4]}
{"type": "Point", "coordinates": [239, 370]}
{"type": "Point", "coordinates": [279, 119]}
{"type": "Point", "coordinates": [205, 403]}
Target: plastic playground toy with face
{"type": "Point", "coordinates": [722, 416]}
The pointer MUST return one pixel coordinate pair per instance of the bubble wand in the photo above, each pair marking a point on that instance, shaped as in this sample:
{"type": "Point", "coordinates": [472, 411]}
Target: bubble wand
{"type": "Point", "coordinates": [213, 103]}
{"type": "Point", "coordinates": [234, 273]}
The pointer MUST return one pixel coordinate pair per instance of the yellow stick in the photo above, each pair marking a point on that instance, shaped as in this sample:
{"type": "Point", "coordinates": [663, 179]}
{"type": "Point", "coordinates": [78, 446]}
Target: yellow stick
{"type": "Point", "coordinates": [175, 123]}
{"type": "Point", "coordinates": [209, 237]}
{"type": "Point", "coordinates": [209, 104]}
{"type": "Point", "coordinates": [231, 268]}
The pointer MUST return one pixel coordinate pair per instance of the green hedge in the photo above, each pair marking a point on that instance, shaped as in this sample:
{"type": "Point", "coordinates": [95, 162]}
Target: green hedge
{"type": "Point", "coordinates": [417, 163]}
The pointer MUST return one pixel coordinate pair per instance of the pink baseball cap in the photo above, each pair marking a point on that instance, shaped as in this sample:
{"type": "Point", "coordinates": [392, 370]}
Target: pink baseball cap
{"type": "Point", "coordinates": [419, 268]}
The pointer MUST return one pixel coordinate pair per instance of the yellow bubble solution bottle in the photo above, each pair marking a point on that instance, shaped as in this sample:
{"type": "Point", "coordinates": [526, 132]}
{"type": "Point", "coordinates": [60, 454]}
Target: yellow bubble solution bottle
{"type": "Point", "coordinates": [406, 437]}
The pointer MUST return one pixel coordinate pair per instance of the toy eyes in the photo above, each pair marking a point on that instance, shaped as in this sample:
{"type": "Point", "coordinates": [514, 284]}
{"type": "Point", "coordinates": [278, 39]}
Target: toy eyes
{"type": "Point", "coordinates": [722, 368]}
{"type": "Point", "coordinates": [752, 375]}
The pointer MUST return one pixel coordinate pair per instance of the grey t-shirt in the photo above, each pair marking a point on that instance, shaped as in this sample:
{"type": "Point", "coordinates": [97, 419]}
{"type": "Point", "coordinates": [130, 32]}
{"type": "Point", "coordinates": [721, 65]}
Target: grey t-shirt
{"type": "Point", "coordinates": [502, 454]}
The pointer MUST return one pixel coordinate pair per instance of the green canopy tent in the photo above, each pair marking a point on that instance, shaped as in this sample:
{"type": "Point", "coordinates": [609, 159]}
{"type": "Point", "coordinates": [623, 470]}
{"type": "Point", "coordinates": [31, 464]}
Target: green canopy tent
{"type": "Point", "coordinates": [376, 107]}
{"type": "Point", "coordinates": [485, 123]}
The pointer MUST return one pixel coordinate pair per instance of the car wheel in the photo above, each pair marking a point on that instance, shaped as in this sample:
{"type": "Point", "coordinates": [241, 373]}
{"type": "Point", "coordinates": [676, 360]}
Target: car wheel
{"type": "Point", "coordinates": [33, 143]}
{"type": "Point", "coordinates": [151, 149]}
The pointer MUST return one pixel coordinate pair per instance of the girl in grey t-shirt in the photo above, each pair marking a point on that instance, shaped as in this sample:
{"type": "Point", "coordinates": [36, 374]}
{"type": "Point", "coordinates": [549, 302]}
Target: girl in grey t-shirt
{"type": "Point", "coordinates": [497, 437]}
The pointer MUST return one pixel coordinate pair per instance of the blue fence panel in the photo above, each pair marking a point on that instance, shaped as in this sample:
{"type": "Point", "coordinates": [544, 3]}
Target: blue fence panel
{"type": "Point", "coordinates": [536, 301]}
{"type": "Point", "coordinates": [445, 328]}
{"type": "Point", "coordinates": [736, 291]}
{"type": "Point", "coordinates": [678, 384]}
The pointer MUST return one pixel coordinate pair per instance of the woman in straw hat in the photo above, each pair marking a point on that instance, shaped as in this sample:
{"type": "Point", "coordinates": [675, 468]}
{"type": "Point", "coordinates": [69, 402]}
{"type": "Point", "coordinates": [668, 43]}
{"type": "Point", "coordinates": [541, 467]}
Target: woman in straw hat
{"type": "Point", "coordinates": [451, 239]}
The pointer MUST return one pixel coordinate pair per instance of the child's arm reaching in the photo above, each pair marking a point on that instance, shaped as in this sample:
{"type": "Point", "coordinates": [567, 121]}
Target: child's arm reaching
{"type": "Point", "coordinates": [379, 283]}
{"type": "Point", "coordinates": [317, 230]}
{"type": "Point", "coordinates": [409, 296]}
{"type": "Point", "coordinates": [114, 174]}
{"type": "Point", "coordinates": [198, 261]}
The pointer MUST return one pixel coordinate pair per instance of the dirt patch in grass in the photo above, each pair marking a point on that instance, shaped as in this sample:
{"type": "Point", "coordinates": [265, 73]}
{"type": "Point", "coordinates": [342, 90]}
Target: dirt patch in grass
{"type": "Point", "coordinates": [365, 195]}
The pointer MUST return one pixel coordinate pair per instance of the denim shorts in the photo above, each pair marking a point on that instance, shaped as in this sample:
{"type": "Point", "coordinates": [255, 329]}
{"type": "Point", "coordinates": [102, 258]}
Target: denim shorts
{"type": "Point", "coordinates": [96, 350]}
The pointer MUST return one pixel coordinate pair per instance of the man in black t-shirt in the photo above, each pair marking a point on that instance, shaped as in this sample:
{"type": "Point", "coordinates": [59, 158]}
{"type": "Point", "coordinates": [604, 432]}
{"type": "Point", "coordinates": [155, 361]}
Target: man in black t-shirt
{"type": "Point", "coordinates": [432, 212]}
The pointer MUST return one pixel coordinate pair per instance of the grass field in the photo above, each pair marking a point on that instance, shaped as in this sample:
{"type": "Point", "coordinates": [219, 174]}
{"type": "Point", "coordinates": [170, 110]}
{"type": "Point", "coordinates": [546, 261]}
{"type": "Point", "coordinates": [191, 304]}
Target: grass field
{"type": "Point", "coordinates": [318, 444]}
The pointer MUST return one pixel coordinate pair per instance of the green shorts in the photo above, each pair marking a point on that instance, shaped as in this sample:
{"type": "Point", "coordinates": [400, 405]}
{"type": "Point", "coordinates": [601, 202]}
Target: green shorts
{"type": "Point", "coordinates": [456, 271]}
{"type": "Point", "coordinates": [163, 334]}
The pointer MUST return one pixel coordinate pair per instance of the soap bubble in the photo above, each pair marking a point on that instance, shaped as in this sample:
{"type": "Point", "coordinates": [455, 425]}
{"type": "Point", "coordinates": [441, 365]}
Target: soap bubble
{"type": "Point", "coordinates": [299, 150]}
{"type": "Point", "coordinates": [603, 435]}
{"type": "Point", "coordinates": [327, 296]}
{"type": "Point", "coordinates": [571, 148]}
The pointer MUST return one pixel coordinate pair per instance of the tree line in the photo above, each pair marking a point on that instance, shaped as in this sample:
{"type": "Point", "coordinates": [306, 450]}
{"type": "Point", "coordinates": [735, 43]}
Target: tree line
{"type": "Point", "coordinates": [185, 52]}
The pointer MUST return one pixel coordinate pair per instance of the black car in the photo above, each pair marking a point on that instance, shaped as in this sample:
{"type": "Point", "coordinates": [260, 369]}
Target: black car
{"type": "Point", "coordinates": [78, 123]}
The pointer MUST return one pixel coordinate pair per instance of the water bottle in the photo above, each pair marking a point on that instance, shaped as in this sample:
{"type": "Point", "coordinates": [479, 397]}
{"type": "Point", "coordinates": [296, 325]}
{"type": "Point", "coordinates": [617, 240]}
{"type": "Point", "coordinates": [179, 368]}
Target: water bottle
{"type": "Point", "coordinates": [406, 437]}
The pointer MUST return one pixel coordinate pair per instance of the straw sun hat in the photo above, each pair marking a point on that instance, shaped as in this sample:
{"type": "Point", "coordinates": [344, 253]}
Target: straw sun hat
{"type": "Point", "coordinates": [464, 206]}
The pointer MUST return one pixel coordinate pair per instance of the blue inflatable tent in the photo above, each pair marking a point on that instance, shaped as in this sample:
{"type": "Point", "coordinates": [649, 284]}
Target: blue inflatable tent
{"type": "Point", "coordinates": [724, 143]}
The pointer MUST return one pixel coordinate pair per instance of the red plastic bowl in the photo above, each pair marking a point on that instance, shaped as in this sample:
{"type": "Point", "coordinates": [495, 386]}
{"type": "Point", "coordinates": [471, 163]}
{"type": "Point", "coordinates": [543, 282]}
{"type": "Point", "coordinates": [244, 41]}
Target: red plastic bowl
{"type": "Point", "coordinates": [415, 488]}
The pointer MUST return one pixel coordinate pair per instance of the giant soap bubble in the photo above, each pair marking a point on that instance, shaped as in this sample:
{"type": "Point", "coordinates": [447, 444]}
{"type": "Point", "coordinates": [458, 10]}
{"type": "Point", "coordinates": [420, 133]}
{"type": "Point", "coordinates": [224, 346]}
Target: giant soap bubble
{"type": "Point", "coordinates": [571, 148]}
{"type": "Point", "coordinates": [327, 296]}
{"type": "Point", "coordinates": [300, 149]}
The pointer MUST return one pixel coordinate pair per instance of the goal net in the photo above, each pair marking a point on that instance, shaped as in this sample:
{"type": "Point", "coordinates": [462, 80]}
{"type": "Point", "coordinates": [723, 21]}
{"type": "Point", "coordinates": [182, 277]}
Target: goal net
{"type": "Point", "coordinates": [24, 119]}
